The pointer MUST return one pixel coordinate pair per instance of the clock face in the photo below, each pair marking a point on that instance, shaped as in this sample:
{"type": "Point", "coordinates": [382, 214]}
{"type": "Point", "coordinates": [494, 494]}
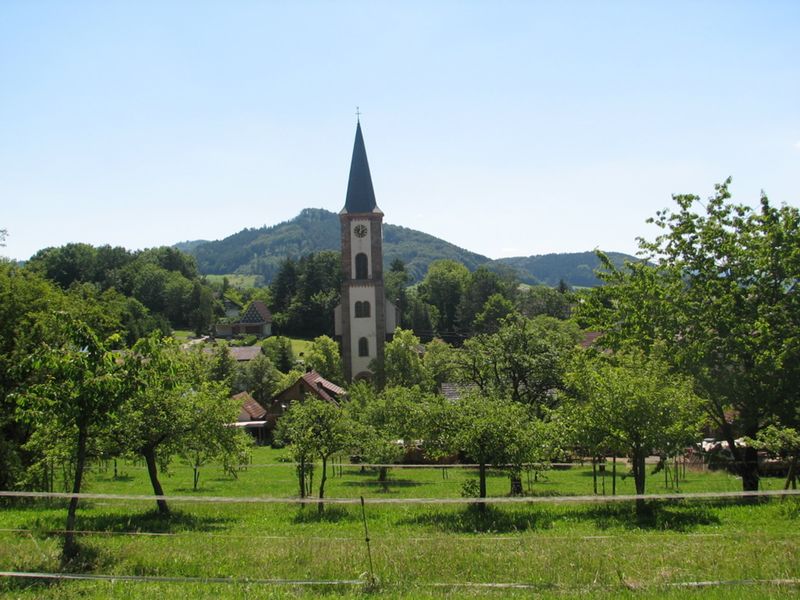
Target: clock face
{"type": "Point", "coordinates": [360, 230]}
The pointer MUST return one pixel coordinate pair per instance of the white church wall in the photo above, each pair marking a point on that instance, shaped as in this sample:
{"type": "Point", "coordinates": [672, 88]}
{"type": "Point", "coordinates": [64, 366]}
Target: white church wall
{"type": "Point", "coordinates": [362, 327]}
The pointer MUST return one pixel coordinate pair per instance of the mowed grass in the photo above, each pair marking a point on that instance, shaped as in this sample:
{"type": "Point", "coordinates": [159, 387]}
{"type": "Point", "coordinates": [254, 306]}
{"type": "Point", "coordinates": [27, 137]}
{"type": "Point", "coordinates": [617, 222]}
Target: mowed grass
{"type": "Point", "coordinates": [236, 280]}
{"type": "Point", "coordinates": [425, 550]}
{"type": "Point", "coordinates": [299, 346]}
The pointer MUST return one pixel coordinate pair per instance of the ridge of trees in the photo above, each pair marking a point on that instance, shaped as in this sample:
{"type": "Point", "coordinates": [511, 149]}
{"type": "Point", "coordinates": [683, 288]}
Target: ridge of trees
{"type": "Point", "coordinates": [261, 251]}
{"type": "Point", "coordinates": [161, 286]}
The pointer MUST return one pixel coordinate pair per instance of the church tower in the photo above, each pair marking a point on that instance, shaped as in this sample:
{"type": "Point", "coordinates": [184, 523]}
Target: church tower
{"type": "Point", "coordinates": [365, 317]}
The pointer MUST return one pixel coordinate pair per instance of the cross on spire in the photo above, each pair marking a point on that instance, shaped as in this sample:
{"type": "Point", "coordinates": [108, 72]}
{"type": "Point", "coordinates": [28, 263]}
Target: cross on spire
{"type": "Point", "coordinates": [358, 115]}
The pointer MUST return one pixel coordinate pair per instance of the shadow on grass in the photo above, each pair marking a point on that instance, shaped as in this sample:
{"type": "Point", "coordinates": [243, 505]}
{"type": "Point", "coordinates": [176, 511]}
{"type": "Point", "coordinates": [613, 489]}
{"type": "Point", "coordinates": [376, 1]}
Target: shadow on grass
{"type": "Point", "coordinates": [491, 520]}
{"type": "Point", "coordinates": [387, 483]}
{"type": "Point", "coordinates": [653, 515]}
{"type": "Point", "coordinates": [331, 514]}
{"type": "Point", "coordinates": [152, 522]}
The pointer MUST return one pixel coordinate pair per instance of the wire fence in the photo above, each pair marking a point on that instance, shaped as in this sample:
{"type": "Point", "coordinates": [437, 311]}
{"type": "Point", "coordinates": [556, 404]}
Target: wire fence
{"type": "Point", "coordinates": [369, 577]}
{"type": "Point", "coordinates": [583, 499]}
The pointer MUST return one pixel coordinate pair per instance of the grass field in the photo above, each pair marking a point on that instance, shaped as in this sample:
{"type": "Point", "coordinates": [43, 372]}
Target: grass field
{"type": "Point", "coordinates": [424, 550]}
{"type": "Point", "coordinates": [237, 281]}
{"type": "Point", "coordinates": [299, 346]}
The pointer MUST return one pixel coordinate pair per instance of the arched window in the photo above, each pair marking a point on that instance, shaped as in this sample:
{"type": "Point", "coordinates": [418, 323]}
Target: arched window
{"type": "Point", "coordinates": [363, 347]}
{"type": "Point", "coordinates": [361, 266]}
{"type": "Point", "coordinates": [362, 309]}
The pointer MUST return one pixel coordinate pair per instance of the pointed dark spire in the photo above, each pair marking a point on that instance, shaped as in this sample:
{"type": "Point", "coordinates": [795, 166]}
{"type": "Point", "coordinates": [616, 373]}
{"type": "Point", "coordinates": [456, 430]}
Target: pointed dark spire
{"type": "Point", "coordinates": [360, 195]}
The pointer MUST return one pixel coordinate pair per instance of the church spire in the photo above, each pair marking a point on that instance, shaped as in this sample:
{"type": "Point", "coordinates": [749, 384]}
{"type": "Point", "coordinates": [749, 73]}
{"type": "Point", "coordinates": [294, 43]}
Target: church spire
{"type": "Point", "coordinates": [360, 195]}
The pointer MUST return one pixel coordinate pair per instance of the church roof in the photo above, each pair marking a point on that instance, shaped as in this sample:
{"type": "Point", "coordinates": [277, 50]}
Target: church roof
{"type": "Point", "coordinates": [360, 195]}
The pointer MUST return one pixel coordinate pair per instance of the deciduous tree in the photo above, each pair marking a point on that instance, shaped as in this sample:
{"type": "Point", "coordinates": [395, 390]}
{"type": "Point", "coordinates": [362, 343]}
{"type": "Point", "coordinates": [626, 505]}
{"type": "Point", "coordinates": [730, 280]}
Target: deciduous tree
{"type": "Point", "coordinates": [75, 387]}
{"type": "Point", "coordinates": [633, 403]}
{"type": "Point", "coordinates": [719, 290]}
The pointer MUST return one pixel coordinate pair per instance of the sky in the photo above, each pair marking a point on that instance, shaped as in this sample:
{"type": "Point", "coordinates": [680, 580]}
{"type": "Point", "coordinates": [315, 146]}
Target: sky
{"type": "Point", "coordinates": [507, 128]}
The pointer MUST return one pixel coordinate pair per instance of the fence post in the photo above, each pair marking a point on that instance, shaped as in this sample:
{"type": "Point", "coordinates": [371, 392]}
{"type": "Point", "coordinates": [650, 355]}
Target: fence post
{"type": "Point", "coordinates": [366, 539]}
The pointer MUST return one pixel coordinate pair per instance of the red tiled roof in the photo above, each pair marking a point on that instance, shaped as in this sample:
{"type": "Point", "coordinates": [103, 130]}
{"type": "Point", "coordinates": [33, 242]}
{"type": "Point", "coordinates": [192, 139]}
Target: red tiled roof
{"type": "Point", "coordinates": [251, 410]}
{"type": "Point", "coordinates": [589, 338]}
{"type": "Point", "coordinates": [317, 381]}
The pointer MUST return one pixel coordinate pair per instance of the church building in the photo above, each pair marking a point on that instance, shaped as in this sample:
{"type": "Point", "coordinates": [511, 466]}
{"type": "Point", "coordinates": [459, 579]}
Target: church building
{"type": "Point", "coordinates": [365, 319]}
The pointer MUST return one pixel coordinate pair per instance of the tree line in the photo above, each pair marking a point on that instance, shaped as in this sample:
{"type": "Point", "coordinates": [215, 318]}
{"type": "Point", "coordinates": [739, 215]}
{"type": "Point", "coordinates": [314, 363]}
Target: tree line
{"type": "Point", "coordinates": [161, 286]}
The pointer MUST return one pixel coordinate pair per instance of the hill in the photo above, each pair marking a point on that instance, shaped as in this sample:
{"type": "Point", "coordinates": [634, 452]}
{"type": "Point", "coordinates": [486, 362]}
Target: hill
{"type": "Point", "coordinates": [260, 251]}
{"type": "Point", "coordinates": [576, 268]}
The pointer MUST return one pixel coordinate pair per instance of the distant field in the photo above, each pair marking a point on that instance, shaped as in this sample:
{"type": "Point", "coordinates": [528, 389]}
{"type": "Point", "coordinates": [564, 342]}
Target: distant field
{"type": "Point", "coordinates": [299, 346]}
{"type": "Point", "coordinates": [238, 281]}
{"type": "Point", "coordinates": [182, 335]}
{"type": "Point", "coordinates": [425, 550]}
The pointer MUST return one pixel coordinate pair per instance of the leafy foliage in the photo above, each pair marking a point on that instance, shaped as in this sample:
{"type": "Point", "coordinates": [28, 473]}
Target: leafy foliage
{"type": "Point", "coordinates": [164, 281]}
{"type": "Point", "coordinates": [318, 428]}
{"type": "Point", "coordinates": [323, 356]}
{"type": "Point", "coordinates": [634, 405]}
{"type": "Point", "coordinates": [524, 361]}
{"type": "Point", "coordinates": [73, 386]}
{"type": "Point", "coordinates": [173, 409]}
{"type": "Point", "coordinates": [719, 292]}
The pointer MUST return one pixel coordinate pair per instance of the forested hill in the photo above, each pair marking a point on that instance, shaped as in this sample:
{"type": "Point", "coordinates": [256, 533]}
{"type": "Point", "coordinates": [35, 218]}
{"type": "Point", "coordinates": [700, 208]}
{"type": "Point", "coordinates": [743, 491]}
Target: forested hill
{"type": "Point", "coordinates": [575, 268]}
{"type": "Point", "coordinates": [260, 251]}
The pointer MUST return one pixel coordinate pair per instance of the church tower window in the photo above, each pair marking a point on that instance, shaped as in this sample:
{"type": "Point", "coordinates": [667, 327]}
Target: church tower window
{"type": "Point", "coordinates": [361, 266]}
{"type": "Point", "coordinates": [363, 346]}
{"type": "Point", "coordinates": [362, 309]}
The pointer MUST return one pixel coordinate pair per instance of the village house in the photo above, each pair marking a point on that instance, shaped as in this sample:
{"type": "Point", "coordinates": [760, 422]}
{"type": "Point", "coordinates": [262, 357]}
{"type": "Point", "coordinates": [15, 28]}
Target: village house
{"type": "Point", "coordinates": [311, 383]}
{"type": "Point", "coordinates": [256, 320]}
{"type": "Point", "coordinates": [252, 417]}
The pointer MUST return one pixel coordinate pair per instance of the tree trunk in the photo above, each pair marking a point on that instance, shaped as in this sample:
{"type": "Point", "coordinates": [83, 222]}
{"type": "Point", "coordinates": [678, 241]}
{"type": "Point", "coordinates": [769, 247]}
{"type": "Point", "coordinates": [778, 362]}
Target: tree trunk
{"type": "Point", "coordinates": [382, 477]}
{"type": "Point", "coordinates": [152, 471]}
{"type": "Point", "coordinates": [516, 484]}
{"type": "Point", "coordinates": [746, 459]}
{"type": "Point", "coordinates": [638, 478]}
{"type": "Point", "coordinates": [482, 485]}
{"type": "Point", "coordinates": [749, 470]}
{"type": "Point", "coordinates": [321, 505]}
{"type": "Point", "coordinates": [301, 477]}
{"type": "Point", "coordinates": [639, 471]}
{"type": "Point", "coordinates": [791, 476]}
{"type": "Point", "coordinates": [614, 476]}
{"type": "Point", "coordinates": [70, 547]}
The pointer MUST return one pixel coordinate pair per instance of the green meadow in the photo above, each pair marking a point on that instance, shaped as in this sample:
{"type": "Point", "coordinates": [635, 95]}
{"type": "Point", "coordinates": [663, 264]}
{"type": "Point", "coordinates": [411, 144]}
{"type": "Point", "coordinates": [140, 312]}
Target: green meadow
{"type": "Point", "coordinates": [418, 550]}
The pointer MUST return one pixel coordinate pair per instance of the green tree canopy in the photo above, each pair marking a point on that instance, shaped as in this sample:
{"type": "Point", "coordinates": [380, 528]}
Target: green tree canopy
{"type": "Point", "coordinates": [323, 356]}
{"type": "Point", "coordinates": [634, 404]}
{"type": "Point", "coordinates": [73, 386]}
{"type": "Point", "coordinates": [488, 430]}
{"type": "Point", "coordinates": [318, 428]}
{"type": "Point", "coordinates": [524, 361]}
{"type": "Point", "coordinates": [718, 290]}
{"type": "Point", "coordinates": [171, 408]}
{"type": "Point", "coordinates": [403, 361]}
{"type": "Point", "coordinates": [443, 288]}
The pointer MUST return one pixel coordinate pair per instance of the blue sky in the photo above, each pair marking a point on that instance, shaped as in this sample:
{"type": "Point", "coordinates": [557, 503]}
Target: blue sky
{"type": "Point", "coordinates": [508, 128]}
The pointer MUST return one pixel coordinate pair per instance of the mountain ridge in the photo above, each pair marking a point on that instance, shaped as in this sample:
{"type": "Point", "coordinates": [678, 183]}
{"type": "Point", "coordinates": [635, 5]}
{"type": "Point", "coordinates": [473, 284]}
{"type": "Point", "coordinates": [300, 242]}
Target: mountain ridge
{"type": "Point", "coordinates": [260, 251]}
